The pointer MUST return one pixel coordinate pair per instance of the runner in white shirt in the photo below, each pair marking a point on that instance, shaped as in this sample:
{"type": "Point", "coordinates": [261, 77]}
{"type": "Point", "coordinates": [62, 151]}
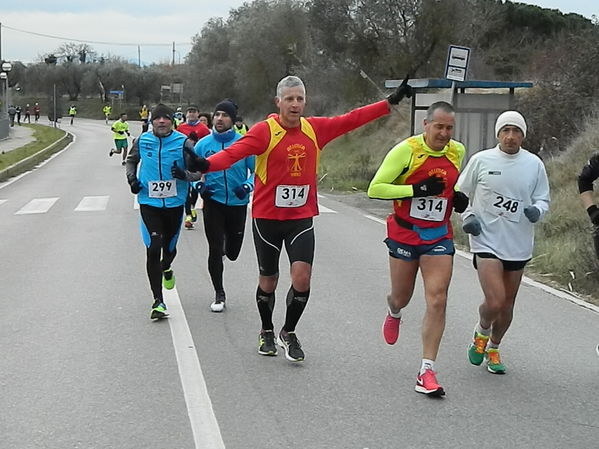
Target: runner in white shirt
{"type": "Point", "coordinates": [509, 192]}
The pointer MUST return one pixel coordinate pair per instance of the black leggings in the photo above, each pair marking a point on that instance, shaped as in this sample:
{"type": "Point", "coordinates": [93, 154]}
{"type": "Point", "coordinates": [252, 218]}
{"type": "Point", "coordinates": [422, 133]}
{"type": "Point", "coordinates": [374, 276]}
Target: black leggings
{"type": "Point", "coordinates": [160, 229]}
{"type": "Point", "coordinates": [191, 200]}
{"type": "Point", "coordinates": [224, 227]}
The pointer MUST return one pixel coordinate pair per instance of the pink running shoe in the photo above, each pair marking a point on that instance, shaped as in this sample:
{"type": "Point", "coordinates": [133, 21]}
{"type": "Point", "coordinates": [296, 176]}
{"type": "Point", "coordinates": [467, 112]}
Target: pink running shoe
{"type": "Point", "coordinates": [427, 384]}
{"type": "Point", "coordinates": [391, 329]}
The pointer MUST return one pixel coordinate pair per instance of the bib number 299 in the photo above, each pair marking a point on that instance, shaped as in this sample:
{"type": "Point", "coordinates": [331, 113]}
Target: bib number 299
{"type": "Point", "coordinates": [291, 196]}
{"type": "Point", "coordinates": [163, 189]}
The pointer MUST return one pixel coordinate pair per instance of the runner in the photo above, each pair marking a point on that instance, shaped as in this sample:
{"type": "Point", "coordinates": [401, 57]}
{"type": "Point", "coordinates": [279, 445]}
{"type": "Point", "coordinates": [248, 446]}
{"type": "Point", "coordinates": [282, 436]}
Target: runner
{"type": "Point", "coordinates": [419, 174]}
{"type": "Point", "coordinates": [107, 110]}
{"type": "Point", "coordinates": [287, 147]}
{"type": "Point", "coordinates": [144, 115]}
{"type": "Point", "coordinates": [206, 119]}
{"type": "Point", "coordinates": [226, 196]}
{"type": "Point", "coordinates": [240, 127]}
{"type": "Point", "coordinates": [72, 112]}
{"type": "Point", "coordinates": [589, 173]}
{"type": "Point", "coordinates": [161, 198]}
{"type": "Point", "coordinates": [36, 111]}
{"type": "Point", "coordinates": [195, 130]}
{"type": "Point", "coordinates": [509, 192]}
{"type": "Point", "coordinates": [120, 128]}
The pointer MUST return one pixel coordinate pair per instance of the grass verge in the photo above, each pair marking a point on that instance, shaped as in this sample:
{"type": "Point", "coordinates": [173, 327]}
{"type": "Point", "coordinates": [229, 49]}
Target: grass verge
{"type": "Point", "coordinates": [44, 137]}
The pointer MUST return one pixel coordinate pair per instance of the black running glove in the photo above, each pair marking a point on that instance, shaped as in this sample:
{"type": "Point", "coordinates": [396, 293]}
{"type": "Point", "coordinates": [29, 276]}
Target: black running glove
{"type": "Point", "coordinates": [177, 172]}
{"type": "Point", "coordinates": [593, 212]}
{"type": "Point", "coordinates": [471, 225]}
{"type": "Point", "coordinates": [403, 90]}
{"type": "Point", "coordinates": [135, 186]}
{"type": "Point", "coordinates": [431, 186]}
{"type": "Point", "coordinates": [460, 201]}
{"type": "Point", "coordinates": [242, 191]}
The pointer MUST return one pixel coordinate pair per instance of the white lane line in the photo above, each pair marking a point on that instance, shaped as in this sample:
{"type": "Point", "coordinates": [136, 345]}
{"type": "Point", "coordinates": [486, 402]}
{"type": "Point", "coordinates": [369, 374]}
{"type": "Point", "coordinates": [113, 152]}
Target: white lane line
{"type": "Point", "coordinates": [135, 202]}
{"type": "Point", "coordinates": [2, 202]}
{"type": "Point", "coordinates": [326, 210]}
{"type": "Point", "coordinates": [560, 294]}
{"type": "Point", "coordinates": [37, 206]}
{"type": "Point", "coordinates": [206, 432]}
{"type": "Point", "coordinates": [92, 203]}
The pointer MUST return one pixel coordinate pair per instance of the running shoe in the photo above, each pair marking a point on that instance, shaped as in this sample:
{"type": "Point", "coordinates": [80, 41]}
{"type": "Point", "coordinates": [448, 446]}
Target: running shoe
{"type": "Point", "coordinates": [194, 215]}
{"type": "Point", "coordinates": [124, 163]}
{"type": "Point", "coordinates": [391, 329]}
{"type": "Point", "coordinates": [427, 384]}
{"type": "Point", "coordinates": [476, 349]}
{"type": "Point", "coordinates": [218, 305]}
{"type": "Point", "coordinates": [293, 349]}
{"type": "Point", "coordinates": [597, 349]}
{"type": "Point", "coordinates": [158, 311]}
{"type": "Point", "coordinates": [168, 279]}
{"type": "Point", "coordinates": [494, 364]}
{"type": "Point", "coordinates": [188, 222]}
{"type": "Point", "coordinates": [111, 152]}
{"type": "Point", "coordinates": [266, 343]}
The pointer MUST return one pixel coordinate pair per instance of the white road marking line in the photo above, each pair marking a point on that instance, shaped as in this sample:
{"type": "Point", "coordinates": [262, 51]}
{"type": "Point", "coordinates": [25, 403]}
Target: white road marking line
{"type": "Point", "coordinates": [92, 203]}
{"type": "Point", "coordinates": [135, 202]}
{"type": "Point", "coordinates": [560, 294]}
{"type": "Point", "coordinates": [326, 210]}
{"type": "Point", "coordinates": [37, 206]}
{"type": "Point", "coordinates": [206, 432]}
{"type": "Point", "coordinates": [2, 202]}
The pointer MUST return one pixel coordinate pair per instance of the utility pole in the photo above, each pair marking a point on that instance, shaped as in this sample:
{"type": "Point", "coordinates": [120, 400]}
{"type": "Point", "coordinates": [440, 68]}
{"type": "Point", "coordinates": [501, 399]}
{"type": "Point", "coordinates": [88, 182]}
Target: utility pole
{"type": "Point", "coordinates": [173, 53]}
{"type": "Point", "coordinates": [139, 56]}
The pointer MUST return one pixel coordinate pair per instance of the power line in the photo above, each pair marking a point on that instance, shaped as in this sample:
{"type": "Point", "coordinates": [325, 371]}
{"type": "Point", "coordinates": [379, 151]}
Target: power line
{"type": "Point", "coordinates": [123, 44]}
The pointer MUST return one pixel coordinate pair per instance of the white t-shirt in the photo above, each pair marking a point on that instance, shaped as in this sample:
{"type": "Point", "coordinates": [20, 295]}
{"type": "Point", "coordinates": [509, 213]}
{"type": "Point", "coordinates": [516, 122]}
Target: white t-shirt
{"type": "Point", "coordinates": [500, 186]}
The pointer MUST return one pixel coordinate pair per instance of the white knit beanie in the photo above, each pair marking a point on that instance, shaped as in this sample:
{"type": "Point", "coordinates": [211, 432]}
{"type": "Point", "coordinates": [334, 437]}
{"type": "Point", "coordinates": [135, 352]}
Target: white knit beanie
{"type": "Point", "coordinates": [510, 118]}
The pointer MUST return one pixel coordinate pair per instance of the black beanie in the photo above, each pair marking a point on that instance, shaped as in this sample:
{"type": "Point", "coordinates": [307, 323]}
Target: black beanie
{"type": "Point", "coordinates": [162, 110]}
{"type": "Point", "coordinates": [229, 107]}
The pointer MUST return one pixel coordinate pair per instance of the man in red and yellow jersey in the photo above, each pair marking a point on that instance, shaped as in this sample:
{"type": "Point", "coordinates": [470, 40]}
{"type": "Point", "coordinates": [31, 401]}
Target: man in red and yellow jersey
{"type": "Point", "coordinates": [287, 148]}
{"type": "Point", "coordinates": [420, 174]}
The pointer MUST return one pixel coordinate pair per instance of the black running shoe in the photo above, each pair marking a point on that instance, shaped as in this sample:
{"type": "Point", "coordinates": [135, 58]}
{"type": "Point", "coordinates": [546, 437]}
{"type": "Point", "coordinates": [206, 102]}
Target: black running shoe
{"type": "Point", "coordinates": [266, 343]}
{"type": "Point", "coordinates": [293, 349]}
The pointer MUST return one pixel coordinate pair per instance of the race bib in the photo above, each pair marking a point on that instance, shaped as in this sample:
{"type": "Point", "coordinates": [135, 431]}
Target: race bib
{"type": "Point", "coordinates": [291, 196]}
{"type": "Point", "coordinates": [504, 206]}
{"type": "Point", "coordinates": [162, 189]}
{"type": "Point", "coordinates": [430, 208]}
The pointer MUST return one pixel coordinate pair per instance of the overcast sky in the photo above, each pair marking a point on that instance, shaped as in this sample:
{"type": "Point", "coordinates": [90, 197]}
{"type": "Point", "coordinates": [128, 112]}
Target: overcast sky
{"type": "Point", "coordinates": [135, 22]}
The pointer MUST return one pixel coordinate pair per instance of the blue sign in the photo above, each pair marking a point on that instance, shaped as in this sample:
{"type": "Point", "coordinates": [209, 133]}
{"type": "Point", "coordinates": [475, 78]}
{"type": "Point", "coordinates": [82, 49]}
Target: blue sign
{"type": "Point", "coordinates": [117, 92]}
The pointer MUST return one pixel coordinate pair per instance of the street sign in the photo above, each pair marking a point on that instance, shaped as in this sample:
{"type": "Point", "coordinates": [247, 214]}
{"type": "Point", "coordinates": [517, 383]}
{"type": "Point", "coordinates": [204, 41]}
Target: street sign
{"type": "Point", "coordinates": [117, 92]}
{"type": "Point", "coordinates": [456, 68]}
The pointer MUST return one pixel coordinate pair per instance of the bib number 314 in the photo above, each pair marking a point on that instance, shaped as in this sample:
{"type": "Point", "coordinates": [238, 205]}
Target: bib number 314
{"type": "Point", "coordinates": [431, 208]}
{"type": "Point", "coordinates": [291, 196]}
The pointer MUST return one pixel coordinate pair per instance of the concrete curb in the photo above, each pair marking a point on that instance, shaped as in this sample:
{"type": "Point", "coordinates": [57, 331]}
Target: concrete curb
{"type": "Point", "coordinates": [31, 161]}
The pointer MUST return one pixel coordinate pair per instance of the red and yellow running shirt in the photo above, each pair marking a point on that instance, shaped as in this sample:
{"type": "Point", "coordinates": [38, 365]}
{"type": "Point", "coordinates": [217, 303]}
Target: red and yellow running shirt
{"type": "Point", "coordinates": [287, 160]}
{"type": "Point", "coordinates": [408, 163]}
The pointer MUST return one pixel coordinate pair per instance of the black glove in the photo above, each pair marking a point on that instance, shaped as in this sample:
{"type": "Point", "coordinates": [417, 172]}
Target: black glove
{"type": "Point", "coordinates": [471, 225]}
{"type": "Point", "coordinates": [593, 212]}
{"type": "Point", "coordinates": [204, 191]}
{"type": "Point", "coordinates": [121, 132]}
{"type": "Point", "coordinates": [193, 136]}
{"type": "Point", "coordinates": [177, 172]}
{"type": "Point", "coordinates": [135, 186]}
{"type": "Point", "coordinates": [460, 201]}
{"type": "Point", "coordinates": [404, 90]}
{"type": "Point", "coordinates": [242, 191]}
{"type": "Point", "coordinates": [198, 163]}
{"type": "Point", "coordinates": [431, 186]}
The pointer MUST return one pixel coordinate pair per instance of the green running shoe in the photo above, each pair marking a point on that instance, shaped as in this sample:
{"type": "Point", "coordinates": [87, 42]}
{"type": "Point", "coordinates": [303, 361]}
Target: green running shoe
{"type": "Point", "coordinates": [266, 343]}
{"type": "Point", "coordinates": [476, 350]}
{"type": "Point", "coordinates": [168, 279]}
{"type": "Point", "coordinates": [158, 311]}
{"type": "Point", "coordinates": [494, 364]}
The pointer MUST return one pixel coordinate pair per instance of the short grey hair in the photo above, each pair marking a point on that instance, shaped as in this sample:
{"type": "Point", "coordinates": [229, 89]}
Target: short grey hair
{"type": "Point", "coordinates": [443, 105]}
{"type": "Point", "coordinates": [288, 82]}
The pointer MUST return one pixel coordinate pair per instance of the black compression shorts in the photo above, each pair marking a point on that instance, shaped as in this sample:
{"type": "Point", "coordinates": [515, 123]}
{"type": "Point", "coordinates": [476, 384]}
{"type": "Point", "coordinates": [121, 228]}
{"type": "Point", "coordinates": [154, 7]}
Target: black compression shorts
{"type": "Point", "coordinates": [269, 236]}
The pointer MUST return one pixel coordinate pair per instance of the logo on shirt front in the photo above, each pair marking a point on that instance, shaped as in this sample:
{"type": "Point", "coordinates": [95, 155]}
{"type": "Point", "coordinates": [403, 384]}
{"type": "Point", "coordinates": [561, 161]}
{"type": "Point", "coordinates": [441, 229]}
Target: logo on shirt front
{"type": "Point", "coordinates": [296, 153]}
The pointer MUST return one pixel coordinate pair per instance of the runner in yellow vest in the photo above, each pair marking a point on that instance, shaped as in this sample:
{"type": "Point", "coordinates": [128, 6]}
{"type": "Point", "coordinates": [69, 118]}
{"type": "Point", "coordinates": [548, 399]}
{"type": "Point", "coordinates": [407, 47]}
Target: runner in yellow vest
{"type": "Point", "coordinates": [107, 110]}
{"type": "Point", "coordinates": [72, 112]}
{"type": "Point", "coordinates": [121, 132]}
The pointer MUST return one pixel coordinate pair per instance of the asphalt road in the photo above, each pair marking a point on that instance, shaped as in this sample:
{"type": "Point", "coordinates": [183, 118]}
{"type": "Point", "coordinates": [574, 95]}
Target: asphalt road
{"type": "Point", "coordinates": [83, 366]}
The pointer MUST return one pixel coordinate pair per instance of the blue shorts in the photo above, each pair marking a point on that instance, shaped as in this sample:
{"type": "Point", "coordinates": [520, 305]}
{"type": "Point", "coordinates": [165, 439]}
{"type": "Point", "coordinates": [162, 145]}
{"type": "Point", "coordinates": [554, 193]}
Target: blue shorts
{"type": "Point", "coordinates": [409, 253]}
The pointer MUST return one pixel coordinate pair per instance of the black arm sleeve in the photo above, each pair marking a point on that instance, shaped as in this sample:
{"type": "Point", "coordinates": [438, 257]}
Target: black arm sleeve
{"type": "Point", "coordinates": [132, 161]}
{"type": "Point", "coordinates": [589, 173]}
